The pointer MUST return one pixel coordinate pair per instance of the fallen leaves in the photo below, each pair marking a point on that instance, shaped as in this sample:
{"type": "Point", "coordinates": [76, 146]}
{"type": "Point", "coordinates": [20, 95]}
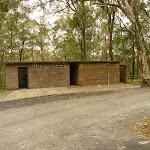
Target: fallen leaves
{"type": "Point", "coordinates": [143, 127]}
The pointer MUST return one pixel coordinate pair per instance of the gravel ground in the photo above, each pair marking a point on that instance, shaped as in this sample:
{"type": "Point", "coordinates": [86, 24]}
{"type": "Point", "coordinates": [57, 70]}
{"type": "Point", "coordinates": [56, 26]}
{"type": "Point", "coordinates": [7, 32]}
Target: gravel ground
{"type": "Point", "coordinates": [46, 99]}
{"type": "Point", "coordinates": [91, 121]}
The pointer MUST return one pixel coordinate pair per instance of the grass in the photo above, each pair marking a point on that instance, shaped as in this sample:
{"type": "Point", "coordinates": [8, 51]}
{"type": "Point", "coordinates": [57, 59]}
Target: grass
{"type": "Point", "coordinates": [143, 127]}
{"type": "Point", "coordinates": [134, 81]}
{"type": "Point", "coordinates": [2, 91]}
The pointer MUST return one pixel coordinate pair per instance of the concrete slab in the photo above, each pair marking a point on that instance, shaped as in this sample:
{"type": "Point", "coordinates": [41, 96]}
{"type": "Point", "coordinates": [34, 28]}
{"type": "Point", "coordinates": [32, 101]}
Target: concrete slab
{"type": "Point", "coordinates": [31, 93]}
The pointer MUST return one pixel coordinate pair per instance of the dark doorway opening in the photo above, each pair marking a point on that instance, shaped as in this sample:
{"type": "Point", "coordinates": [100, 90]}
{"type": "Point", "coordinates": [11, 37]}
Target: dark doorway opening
{"type": "Point", "coordinates": [23, 77]}
{"type": "Point", "coordinates": [73, 73]}
{"type": "Point", "coordinates": [123, 73]}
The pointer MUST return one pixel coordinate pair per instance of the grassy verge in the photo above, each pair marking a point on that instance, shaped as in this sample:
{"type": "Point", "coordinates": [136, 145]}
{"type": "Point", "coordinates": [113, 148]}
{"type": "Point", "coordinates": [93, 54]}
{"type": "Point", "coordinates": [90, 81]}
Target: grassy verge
{"type": "Point", "coordinates": [2, 91]}
{"type": "Point", "coordinates": [143, 127]}
{"type": "Point", "coordinates": [134, 81]}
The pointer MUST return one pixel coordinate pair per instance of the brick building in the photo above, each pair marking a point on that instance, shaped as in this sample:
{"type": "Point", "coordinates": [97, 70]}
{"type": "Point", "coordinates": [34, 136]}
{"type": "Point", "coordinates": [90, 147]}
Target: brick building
{"type": "Point", "coordinates": [59, 74]}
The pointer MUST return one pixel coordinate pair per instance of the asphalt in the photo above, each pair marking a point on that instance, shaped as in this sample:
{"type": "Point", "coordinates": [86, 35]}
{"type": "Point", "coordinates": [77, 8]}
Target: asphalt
{"type": "Point", "coordinates": [13, 95]}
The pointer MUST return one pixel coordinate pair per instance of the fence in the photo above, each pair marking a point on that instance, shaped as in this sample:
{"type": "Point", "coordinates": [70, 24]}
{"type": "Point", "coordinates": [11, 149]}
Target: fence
{"type": "Point", "coordinates": [134, 79]}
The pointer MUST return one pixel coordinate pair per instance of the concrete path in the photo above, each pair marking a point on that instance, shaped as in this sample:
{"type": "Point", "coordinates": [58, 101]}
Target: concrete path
{"type": "Point", "coordinates": [31, 93]}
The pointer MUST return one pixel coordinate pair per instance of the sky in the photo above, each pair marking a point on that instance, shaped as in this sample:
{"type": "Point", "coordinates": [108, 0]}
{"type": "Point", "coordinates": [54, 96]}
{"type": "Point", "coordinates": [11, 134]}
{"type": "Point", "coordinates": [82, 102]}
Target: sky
{"type": "Point", "coordinates": [37, 13]}
{"type": "Point", "coordinates": [50, 18]}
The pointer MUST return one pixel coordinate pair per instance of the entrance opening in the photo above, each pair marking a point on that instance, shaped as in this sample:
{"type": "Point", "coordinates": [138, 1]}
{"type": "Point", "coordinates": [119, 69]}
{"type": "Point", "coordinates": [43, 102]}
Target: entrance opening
{"type": "Point", "coordinates": [23, 77]}
{"type": "Point", "coordinates": [73, 73]}
{"type": "Point", "coordinates": [123, 73]}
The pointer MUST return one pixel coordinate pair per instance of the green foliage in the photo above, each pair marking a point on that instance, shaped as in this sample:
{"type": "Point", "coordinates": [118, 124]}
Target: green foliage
{"type": "Point", "coordinates": [134, 81]}
{"type": "Point", "coordinates": [28, 40]}
{"type": "Point", "coordinates": [67, 35]}
{"type": "Point", "coordinates": [3, 91]}
{"type": "Point", "coordinates": [3, 6]}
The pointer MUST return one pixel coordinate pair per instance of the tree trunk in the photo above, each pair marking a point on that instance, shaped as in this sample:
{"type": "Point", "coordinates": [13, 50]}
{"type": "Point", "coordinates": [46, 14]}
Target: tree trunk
{"type": "Point", "coordinates": [11, 42]}
{"type": "Point", "coordinates": [133, 58]}
{"type": "Point", "coordinates": [32, 53]}
{"type": "Point", "coordinates": [41, 48]}
{"type": "Point", "coordinates": [128, 11]}
{"type": "Point", "coordinates": [21, 51]}
{"type": "Point", "coordinates": [110, 28]}
{"type": "Point", "coordinates": [11, 45]}
{"type": "Point", "coordinates": [81, 48]}
{"type": "Point", "coordinates": [131, 16]}
{"type": "Point", "coordinates": [84, 34]}
{"type": "Point", "coordinates": [42, 55]}
{"type": "Point", "coordinates": [84, 42]}
{"type": "Point", "coordinates": [137, 64]}
{"type": "Point", "coordinates": [140, 45]}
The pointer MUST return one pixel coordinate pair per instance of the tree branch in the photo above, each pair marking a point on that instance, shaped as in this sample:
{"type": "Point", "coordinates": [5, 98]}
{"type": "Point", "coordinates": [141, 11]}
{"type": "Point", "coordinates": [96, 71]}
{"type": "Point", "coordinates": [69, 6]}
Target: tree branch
{"type": "Point", "coordinates": [70, 6]}
{"type": "Point", "coordinates": [147, 14]}
{"type": "Point", "coordinates": [106, 4]}
{"type": "Point", "coordinates": [124, 25]}
{"type": "Point", "coordinates": [132, 3]}
{"type": "Point", "coordinates": [73, 5]}
{"type": "Point", "coordinates": [58, 11]}
{"type": "Point", "coordinates": [127, 4]}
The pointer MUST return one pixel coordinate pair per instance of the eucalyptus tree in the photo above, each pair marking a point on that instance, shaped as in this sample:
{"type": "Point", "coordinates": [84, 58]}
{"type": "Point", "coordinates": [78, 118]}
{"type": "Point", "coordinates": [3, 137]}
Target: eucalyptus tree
{"type": "Point", "coordinates": [76, 32]}
{"type": "Point", "coordinates": [43, 38]}
{"type": "Point", "coordinates": [23, 28]}
{"type": "Point", "coordinates": [127, 8]}
{"type": "Point", "coordinates": [109, 15]}
{"type": "Point", "coordinates": [5, 6]}
{"type": "Point", "coordinates": [10, 26]}
{"type": "Point", "coordinates": [125, 48]}
{"type": "Point", "coordinates": [6, 9]}
{"type": "Point", "coordinates": [67, 40]}
{"type": "Point", "coordinates": [32, 39]}
{"type": "Point", "coordinates": [83, 20]}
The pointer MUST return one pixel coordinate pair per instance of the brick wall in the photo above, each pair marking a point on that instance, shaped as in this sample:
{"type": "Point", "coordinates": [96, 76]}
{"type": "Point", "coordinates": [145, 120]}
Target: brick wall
{"type": "Point", "coordinates": [49, 76]}
{"type": "Point", "coordinates": [92, 74]}
{"type": "Point", "coordinates": [39, 77]}
{"type": "Point", "coordinates": [11, 77]}
{"type": "Point", "coordinates": [55, 76]}
{"type": "Point", "coordinates": [96, 74]}
{"type": "Point", "coordinates": [114, 73]}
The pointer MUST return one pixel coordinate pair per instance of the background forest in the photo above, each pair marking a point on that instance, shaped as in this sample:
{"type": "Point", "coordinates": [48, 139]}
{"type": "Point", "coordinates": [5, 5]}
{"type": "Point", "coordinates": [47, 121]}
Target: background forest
{"type": "Point", "coordinates": [47, 30]}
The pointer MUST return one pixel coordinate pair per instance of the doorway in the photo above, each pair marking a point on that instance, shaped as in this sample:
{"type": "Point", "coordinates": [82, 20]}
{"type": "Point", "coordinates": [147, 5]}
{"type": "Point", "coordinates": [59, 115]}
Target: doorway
{"type": "Point", "coordinates": [123, 73]}
{"type": "Point", "coordinates": [73, 73]}
{"type": "Point", "coordinates": [23, 77]}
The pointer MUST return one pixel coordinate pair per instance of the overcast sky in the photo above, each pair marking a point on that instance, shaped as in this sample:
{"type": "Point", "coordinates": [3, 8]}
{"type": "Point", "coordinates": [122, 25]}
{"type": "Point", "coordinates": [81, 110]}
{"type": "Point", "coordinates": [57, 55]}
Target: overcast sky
{"type": "Point", "coordinates": [37, 13]}
{"type": "Point", "coordinates": [51, 17]}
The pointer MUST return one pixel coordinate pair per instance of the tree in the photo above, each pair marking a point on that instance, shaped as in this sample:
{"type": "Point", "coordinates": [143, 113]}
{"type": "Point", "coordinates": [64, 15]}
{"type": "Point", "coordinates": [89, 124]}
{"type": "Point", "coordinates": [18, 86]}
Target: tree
{"type": "Point", "coordinates": [110, 11]}
{"type": "Point", "coordinates": [42, 39]}
{"type": "Point", "coordinates": [67, 39]}
{"type": "Point", "coordinates": [79, 37]}
{"type": "Point", "coordinates": [127, 7]}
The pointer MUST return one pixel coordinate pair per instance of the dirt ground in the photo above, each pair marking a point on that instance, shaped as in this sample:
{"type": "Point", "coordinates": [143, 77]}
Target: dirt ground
{"type": "Point", "coordinates": [143, 127]}
{"type": "Point", "coordinates": [91, 121]}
